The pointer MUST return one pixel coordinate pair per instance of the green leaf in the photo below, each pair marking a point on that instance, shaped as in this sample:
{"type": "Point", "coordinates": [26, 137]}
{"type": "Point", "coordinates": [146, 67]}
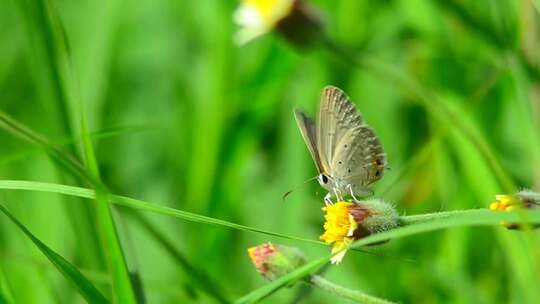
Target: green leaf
{"type": "Point", "coordinates": [84, 286]}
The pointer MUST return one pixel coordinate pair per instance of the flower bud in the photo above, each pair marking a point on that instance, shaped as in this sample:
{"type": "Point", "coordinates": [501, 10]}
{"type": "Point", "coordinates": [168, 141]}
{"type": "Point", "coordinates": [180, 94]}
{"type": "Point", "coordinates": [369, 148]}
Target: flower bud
{"type": "Point", "coordinates": [296, 21]}
{"type": "Point", "coordinates": [524, 199]}
{"type": "Point", "coordinates": [348, 221]}
{"type": "Point", "coordinates": [273, 261]}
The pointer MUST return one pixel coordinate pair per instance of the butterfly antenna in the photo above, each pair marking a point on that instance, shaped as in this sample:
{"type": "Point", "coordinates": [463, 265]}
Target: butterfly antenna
{"type": "Point", "coordinates": [286, 194]}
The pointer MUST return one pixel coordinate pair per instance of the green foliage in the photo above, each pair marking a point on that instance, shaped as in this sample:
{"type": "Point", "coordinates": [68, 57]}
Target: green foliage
{"type": "Point", "coordinates": [449, 86]}
{"type": "Point", "coordinates": [85, 287]}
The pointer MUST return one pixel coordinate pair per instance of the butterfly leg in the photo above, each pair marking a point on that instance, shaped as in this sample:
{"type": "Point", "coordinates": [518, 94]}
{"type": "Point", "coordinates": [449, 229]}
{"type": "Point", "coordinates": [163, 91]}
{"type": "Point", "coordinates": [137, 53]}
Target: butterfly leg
{"type": "Point", "coordinates": [338, 195]}
{"type": "Point", "coordinates": [352, 193]}
{"type": "Point", "coordinates": [328, 199]}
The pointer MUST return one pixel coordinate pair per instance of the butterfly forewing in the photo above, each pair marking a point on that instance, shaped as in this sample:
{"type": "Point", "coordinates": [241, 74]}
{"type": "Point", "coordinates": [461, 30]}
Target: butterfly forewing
{"type": "Point", "coordinates": [308, 131]}
{"type": "Point", "coordinates": [337, 115]}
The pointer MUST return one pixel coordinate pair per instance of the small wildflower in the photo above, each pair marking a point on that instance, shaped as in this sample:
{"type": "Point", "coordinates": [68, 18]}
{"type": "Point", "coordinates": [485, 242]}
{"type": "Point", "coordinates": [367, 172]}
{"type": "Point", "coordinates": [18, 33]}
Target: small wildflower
{"type": "Point", "coordinates": [273, 261]}
{"type": "Point", "coordinates": [524, 199]}
{"type": "Point", "coordinates": [292, 18]}
{"type": "Point", "coordinates": [347, 221]}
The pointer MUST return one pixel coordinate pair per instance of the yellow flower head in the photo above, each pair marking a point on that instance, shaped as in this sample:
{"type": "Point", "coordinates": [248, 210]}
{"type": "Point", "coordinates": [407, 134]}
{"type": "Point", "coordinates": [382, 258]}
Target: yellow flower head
{"type": "Point", "coordinates": [342, 220]}
{"type": "Point", "coordinates": [257, 17]}
{"type": "Point", "coordinates": [346, 222]}
{"type": "Point", "coordinates": [505, 202]}
{"type": "Point", "coordinates": [524, 199]}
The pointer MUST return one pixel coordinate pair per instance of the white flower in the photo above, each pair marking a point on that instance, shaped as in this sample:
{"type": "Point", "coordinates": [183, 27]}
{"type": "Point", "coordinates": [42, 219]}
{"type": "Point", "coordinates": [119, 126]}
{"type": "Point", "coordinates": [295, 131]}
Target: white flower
{"type": "Point", "coordinates": [258, 17]}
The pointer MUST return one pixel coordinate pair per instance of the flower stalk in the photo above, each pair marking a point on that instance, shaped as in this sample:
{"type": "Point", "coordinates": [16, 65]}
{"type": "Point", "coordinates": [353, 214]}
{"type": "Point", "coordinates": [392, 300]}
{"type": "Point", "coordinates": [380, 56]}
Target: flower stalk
{"type": "Point", "coordinates": [273, 261]}
{"type": "Point", "coordinates": [351, 294]}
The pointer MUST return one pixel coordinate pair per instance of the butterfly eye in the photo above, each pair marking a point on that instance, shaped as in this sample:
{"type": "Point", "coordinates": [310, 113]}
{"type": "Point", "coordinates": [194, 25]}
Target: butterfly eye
{"type": "Point", "coordinates": [324, 179]}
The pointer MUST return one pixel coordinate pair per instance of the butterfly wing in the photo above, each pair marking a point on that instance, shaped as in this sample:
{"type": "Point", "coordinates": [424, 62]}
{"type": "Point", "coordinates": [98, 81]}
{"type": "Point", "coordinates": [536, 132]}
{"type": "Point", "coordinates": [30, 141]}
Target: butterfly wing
{"type": "Point", "coordinates": [359, 158]}
{"type": "Point", "coordinates": [307, 129]}
{"type": "Point", "coordinates": [347, 146]}
{"type": "Point", "coordinates": [336, 115]}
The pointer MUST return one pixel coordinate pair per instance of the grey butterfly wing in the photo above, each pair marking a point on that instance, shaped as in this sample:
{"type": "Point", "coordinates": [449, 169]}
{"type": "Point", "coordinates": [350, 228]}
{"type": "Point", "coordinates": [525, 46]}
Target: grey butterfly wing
{"type": "Point", "coordinates": [350, 149]}
{"type": "Point", "coordinates": [308, 131]}
{"type": "Point", "coordinates": [359, 158]}
{"type": "Point", "coordinates": [337, 115]}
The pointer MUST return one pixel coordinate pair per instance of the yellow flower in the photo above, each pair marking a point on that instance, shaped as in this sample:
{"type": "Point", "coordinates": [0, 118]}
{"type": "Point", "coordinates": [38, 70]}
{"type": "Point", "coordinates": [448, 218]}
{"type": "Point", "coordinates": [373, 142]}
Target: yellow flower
{"type": "Point", "coordinates": [524, 199]}
{"type": "Point", "coordinates": [258, 17]}
{"type": "Point", "coordinates": [346, 222]}
{"type": "Point", "coordinates": [505, 202]}
{"type": "Point", "coordinates": [339, 228]}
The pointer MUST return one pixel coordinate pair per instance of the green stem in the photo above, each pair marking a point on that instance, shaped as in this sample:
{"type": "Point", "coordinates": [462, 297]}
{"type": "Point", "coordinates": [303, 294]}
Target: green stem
{"type": "Point", "coordinates": [420, 218]}
{"type": "Point", "coordinates": [354, 295]}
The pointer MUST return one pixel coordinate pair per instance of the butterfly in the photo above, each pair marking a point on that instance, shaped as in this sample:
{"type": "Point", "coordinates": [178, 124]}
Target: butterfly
{"type": "Point", "coordinates": [347, 153]}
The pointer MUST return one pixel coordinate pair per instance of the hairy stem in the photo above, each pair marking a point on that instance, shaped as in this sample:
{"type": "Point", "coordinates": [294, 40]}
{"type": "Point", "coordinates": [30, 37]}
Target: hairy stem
{"type": "Point", "coordinates": [351, 294]}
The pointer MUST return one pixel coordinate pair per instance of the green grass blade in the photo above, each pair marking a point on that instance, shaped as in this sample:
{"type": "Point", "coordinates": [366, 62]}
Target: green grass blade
{"type": "Point", "coordinates": [84, 286]}
{"type": "Point", "coordinates": [55, 143]}
{"type": "Point", "coordinates": [58, 54]}
{"type": "Point", "coordinates": [5, 291]}
{"type": "Point", "coordinates": [142, 206]}
{"type": "Point", "coordinates": [67, 161]}
{"type": "Point", "coordinates": [123, 289]}
{"type": "Point", "coordinates": [472, 217]}
{"type": "Point", "coordinates": [432, 222]}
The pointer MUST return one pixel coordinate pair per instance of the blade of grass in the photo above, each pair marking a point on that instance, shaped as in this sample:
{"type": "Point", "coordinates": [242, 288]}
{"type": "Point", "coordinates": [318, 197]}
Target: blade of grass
{"type": "Point", "coordinates": [141, 205]}
{"type": "Point", "coordinates": [124, 292]}
{"type": "Point", "coordinates": [64, 159]}
{"type": "Point", "coordinates": [5, 292]}
{"type": "Point", "coordinates": [60, 65]}
{"type": "Point", "coordinates": [98, 135]}
{"type": "Point", "coordinates": [83, 285]}
{"type": "Point", "coordinates": [471, 217]}
{"type": "Point", "coordinates": [49, 62]}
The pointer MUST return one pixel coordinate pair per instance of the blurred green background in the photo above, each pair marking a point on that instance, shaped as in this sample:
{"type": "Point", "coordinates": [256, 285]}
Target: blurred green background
{"type": "Point", "coordinates": [182, 116]}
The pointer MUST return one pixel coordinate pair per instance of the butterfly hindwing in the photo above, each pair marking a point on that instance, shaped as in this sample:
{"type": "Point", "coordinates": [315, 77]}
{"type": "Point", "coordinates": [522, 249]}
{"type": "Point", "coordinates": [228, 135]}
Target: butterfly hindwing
{"type": "Point", "coordinates": [359, 158]}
